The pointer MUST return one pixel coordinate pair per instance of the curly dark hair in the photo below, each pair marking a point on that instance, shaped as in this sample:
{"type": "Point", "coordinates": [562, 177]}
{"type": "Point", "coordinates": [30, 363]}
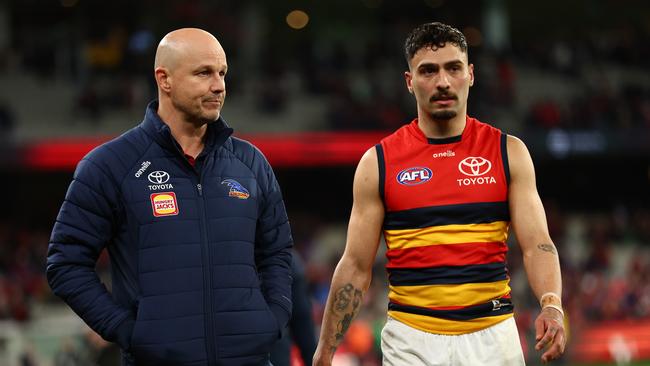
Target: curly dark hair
{"type": "Point", "coordinates": [434, 35]}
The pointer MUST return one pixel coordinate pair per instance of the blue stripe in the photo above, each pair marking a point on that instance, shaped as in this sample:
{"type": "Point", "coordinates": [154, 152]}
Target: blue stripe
{"type": "Point", "coordinates": [469, 213]}
{"type": "Point", "coordinates": [492, 308]}
{"type": "Point", "coordinates": [477, 273]}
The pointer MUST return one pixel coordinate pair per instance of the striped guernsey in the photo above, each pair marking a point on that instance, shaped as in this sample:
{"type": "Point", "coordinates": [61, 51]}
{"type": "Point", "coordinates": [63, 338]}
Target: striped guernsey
{"type": "Point", "coordinates": [446, 226]}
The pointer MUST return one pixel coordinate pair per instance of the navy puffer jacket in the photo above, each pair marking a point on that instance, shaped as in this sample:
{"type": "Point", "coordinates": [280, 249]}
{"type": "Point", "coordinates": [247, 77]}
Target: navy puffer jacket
{"type": "Point", "coordinates": [200, 256]}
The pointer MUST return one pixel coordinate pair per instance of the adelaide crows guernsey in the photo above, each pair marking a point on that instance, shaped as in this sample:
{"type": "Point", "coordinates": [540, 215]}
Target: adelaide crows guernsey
{"type": "Point", "coordinates": [445, 227]}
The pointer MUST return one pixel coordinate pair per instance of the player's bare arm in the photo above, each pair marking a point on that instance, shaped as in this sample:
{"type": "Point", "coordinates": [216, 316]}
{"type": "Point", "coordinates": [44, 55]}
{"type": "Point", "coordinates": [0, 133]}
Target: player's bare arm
{"type": "Point", "coordinates": [353, 273]}
{"type": "Point", "coordinates": [541, 258]}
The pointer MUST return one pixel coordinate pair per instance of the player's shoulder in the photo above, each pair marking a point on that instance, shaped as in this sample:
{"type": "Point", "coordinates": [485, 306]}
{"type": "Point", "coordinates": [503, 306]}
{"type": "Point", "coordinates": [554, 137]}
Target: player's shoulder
{"type": "Point", "coordinates": [519, 159]}
{"type": "Point", "coordinates": [368, 166]}
{"type": "Point", "coordinates": [370, 156]}
{"type": "Point", "coordinates": [515, 145]}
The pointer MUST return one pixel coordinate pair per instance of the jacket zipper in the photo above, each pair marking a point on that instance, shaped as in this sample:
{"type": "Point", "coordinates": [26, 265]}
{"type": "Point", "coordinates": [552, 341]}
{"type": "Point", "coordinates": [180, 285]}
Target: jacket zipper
{"type": "Point", "coordinates": [206, 265]}
{"type": "Point", "coordinates": [207, 280]}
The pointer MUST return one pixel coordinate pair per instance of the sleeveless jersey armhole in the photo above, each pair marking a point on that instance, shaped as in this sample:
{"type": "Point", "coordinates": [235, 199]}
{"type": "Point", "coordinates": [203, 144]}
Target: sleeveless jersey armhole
{"type": "Point", "coordinates": [504, 157]}
{"type": "Point", "coordinates": [382, 171]}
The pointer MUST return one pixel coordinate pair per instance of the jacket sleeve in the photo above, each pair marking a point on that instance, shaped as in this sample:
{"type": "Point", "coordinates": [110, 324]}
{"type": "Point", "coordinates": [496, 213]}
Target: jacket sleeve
{"type": "Point", "coordinates": [273, 248]}
{"type": "Point", "coordinates": [84, 226]}
{"type": "Point", "coordinates": [302, 326]}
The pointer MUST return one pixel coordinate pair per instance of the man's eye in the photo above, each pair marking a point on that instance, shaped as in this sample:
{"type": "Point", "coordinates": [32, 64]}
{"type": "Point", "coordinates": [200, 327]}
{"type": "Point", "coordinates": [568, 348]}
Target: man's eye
{"type": "Point", "coordinates": [455, 68]}
{"type": "Point", "coordinates": [428, 70]}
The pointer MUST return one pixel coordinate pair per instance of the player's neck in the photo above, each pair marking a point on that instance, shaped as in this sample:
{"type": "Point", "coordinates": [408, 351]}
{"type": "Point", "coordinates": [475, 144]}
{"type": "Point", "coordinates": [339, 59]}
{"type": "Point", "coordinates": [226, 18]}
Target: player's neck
{"type": "Point", "coordinates": [442, 128]}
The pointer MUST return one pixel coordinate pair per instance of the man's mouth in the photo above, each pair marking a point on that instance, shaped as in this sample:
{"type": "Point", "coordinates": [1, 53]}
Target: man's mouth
{"type": "Point", "coordinates": [443, 98]}
{"type": "Point", "coordinates": [444, 101]}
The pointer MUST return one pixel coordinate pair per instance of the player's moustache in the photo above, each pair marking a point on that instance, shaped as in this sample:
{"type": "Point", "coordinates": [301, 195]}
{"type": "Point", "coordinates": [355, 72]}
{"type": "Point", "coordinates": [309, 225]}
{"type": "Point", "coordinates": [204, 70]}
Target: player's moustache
{"type": "Point", "coordinates": [442, 96]}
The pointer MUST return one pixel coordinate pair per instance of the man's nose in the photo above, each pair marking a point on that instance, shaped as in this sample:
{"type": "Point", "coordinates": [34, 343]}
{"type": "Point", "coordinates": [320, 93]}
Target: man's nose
{"type": "Point", "coordinates": [442, 82]}
{"type": "Point", "coordinates": [218, 84]}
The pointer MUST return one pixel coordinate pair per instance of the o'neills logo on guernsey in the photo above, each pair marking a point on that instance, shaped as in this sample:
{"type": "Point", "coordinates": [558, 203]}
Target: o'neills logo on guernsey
{"type": "Point", "coordinates": [475, 168]}
{"type": "Point", "coordinates": [143, 168]}
{"type": "Point", "coordinates": [445, 154]}
{"type": "Point", "coordinates": [164, 204]}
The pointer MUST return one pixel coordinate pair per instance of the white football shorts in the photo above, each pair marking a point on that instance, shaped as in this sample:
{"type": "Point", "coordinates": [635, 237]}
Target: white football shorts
{"type": "Point", "coordinates": [497, 345]}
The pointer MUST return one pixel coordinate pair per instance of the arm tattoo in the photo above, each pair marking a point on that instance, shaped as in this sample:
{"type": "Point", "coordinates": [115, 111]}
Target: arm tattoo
{"type": "Point", "coordinates": [342, 299]}
{"type": "Point", "coordinates": [547, 248]}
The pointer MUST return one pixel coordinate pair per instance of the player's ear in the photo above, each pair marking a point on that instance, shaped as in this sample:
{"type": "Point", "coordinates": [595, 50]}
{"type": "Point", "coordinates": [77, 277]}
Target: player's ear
{"type": "Point", "coordinates": [408, 78]}
{"type": "Point", "coordinates": [471, 74]}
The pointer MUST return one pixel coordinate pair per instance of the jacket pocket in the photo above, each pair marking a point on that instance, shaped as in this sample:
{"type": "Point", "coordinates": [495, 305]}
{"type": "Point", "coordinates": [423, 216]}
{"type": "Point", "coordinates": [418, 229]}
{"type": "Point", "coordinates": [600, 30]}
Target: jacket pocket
{"type": "Point", "coordinates": [247, 333]}
{"type": "Point", "coordinates": [136, 311]}
{"type": "Point", "coordinates": [169, 330]}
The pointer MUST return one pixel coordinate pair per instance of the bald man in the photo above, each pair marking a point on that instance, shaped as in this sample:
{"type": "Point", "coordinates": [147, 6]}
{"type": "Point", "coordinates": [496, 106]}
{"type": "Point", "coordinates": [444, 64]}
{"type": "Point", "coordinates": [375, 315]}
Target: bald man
{"type": "Point", "coordinates": [193, 221]}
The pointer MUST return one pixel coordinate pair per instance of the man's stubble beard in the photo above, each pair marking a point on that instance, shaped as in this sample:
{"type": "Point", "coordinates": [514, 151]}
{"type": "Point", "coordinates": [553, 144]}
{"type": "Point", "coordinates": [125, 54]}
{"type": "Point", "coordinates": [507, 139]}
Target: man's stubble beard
{"type": "Point", "coordinates": [195, 113]}
{"type": "Point", "coordinates": [443, 115]}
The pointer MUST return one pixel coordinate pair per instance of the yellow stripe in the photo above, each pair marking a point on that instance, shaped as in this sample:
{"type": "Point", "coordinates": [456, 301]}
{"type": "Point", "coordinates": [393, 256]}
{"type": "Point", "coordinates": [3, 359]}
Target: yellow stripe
{"type": "Point", "coordinates": [445, 326]}
{"type": "Point", "coordinates": [447, 234]}
{"type": "Point", "coordinates": [465, 294]}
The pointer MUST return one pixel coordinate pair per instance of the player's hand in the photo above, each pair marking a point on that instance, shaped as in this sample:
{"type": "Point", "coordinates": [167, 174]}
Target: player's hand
{"type": "Point", "coordinates": [321, 358]}
{"type": "Point", "coordinates": [549, 334]}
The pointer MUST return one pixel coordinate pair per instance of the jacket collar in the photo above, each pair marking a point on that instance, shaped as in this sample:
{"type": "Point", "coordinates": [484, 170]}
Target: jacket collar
{"type": "Point", "coordinates": [216, 134]}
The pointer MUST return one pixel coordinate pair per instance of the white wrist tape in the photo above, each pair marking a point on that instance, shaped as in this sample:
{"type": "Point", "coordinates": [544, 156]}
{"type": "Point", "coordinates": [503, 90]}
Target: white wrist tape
{"type": "Point", "coordinates": [549, 294]}
{"type": "Point", "coordinates": [556, 307]}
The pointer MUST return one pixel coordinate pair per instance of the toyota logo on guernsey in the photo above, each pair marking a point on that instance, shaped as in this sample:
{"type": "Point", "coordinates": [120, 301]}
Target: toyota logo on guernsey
{"type": "Point", "coordinates": [414, 176]}
{"type": "Point", "coordinates": [159, 179]}
{"type": "Point", "coordinates": [476, 168]}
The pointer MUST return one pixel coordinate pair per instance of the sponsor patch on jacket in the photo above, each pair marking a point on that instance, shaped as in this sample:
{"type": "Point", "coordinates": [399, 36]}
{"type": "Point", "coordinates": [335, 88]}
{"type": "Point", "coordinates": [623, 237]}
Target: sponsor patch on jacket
{"type": "Point", "coordinates": [236, 189]}
{"type": "Point", "coordinates": [413, 176]}
{"type": "Point", "coordinates": [164, 204]}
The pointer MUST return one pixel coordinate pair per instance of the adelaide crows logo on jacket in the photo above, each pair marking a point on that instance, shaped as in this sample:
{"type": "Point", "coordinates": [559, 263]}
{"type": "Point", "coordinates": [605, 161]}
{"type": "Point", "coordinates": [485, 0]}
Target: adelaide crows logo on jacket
{"type": "Point", "coordinates": [236, 189]}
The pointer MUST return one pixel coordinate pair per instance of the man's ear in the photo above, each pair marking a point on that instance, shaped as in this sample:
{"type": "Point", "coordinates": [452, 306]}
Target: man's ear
{"type": "Point", "coordinates": [471, 74]}
{"type": "Point", "coordinates": [408, 78]}
{"type": "Point", "coordinates": [163, 79]}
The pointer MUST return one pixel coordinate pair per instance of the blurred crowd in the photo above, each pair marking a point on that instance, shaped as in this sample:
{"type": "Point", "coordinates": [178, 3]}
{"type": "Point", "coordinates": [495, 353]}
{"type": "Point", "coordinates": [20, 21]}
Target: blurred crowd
{"type": "Point", "coordinates": [605, 262]}
{"type": "Point", "coordinates": [597, 78]}
{"type": "Point", "coordinates": [22, 272]}
{"type": "Point", "coordinates": [599, 73]}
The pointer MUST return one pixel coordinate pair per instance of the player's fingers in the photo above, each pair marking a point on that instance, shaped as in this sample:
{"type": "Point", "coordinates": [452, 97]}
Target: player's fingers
{"type": "Point", "coordinates": [557, 347]}
{"type": "Point", "coordinates": [551, 330]}
{"type": "Point", "coordinates": [552, 353]}
{"type": "Point", "coordinates": [540, 327]}
{"type": "Point", "coordinates": [562, 340]}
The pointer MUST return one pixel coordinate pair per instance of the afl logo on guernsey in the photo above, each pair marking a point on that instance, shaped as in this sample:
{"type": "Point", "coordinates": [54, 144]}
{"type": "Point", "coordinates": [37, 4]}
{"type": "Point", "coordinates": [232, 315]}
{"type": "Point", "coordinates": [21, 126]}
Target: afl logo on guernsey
{"type": "Point", "coordinates": [414, 176]}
